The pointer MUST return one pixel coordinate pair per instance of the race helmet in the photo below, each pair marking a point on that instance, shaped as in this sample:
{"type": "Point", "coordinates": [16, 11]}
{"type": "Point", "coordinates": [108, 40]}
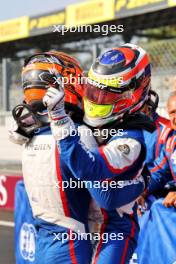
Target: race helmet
{"type": "Point", "coordinates": [53, 68]}
{"type": "Point", "coordinates": [118, 85]}
{"type": "Point", "coordinates": [41, 71]}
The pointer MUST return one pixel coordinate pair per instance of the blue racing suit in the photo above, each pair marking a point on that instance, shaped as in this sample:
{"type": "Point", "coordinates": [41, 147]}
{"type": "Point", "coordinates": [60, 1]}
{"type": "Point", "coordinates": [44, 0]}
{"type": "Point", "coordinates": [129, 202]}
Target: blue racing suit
{"type": "Point", "coordinates": [156, 140]}
{"type": "Point", "coordinates": [58, 210]}
{"type": "Point", "coordinates": [163, 130]}
{"type": "Point", "coordinates": [156, 145]}
{"type": "Point", "coordinates": [122, 158]}
{"type": "Point", "coordinates": [165, 165]}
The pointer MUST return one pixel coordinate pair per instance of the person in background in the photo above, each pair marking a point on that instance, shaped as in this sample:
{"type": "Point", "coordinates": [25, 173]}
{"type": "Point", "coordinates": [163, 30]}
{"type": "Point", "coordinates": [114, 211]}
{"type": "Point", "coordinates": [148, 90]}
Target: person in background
{"type": "Point", "coordinates": [163, 173]}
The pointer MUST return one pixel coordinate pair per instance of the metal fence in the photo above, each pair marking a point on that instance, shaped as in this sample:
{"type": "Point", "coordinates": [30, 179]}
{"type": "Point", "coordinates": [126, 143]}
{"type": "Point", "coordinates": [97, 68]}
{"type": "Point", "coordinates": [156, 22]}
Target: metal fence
{"type": "Point", "coordinates": [162, 55]}
{"type": "Point", "coordinates": [163, 59]}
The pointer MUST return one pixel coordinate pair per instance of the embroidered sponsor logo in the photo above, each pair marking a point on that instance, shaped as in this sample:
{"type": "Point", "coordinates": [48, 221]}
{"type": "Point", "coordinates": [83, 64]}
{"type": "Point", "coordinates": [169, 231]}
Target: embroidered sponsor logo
{"type": "Point", "coordinates": [124, 149]}
{"type": "Point", "coordinates": [97, 84]}
{"type": "Point", "coordinates": [27, 242]}
{"type": "Point", "coordinates": [122, 184]}
{"type": "Point", "coordinates": [38, 146]}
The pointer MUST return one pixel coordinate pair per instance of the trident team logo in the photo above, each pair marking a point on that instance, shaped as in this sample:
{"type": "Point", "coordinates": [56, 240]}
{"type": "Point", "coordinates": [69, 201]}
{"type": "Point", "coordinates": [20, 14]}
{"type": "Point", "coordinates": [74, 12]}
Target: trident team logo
{"type": "Point", "coordinates": [27, 242]}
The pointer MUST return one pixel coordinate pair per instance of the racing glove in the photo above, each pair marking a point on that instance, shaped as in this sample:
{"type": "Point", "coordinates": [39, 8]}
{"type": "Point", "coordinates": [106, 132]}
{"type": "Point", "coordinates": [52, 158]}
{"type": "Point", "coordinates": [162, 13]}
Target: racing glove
{"type": "Point", "coordinates": [61, 123]}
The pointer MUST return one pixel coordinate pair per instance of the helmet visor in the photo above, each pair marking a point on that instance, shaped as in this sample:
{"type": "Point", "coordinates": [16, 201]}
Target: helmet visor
{"type": "Point", "coordinates": [34, 94]}
{"type": "Point", "coordinates": [95, 110]}
{"type": "Point", "coordinates": [101, 96]}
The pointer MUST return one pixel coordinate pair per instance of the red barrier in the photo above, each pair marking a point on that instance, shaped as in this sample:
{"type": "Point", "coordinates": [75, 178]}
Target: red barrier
{"type": "Point", "coordinates": [7, 191]}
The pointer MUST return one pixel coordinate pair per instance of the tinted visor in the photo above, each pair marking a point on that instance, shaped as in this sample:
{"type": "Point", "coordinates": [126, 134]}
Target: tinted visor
{"type": "Point", "coordinates": [103, 96]}
{"type": "Point", "coordinates": [34, 94]}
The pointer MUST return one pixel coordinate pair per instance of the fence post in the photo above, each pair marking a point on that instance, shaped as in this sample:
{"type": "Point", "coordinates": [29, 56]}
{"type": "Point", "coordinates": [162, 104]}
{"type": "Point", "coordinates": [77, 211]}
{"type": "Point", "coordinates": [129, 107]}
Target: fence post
{"type": "Point", "coordinates": [5, 83]}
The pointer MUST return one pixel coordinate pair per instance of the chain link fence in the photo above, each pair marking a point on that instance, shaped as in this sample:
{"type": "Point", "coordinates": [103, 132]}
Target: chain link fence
{"type": "Point", "coordinates": [163, 56]}
{"type": "Point", "coordinates": [163, 60]}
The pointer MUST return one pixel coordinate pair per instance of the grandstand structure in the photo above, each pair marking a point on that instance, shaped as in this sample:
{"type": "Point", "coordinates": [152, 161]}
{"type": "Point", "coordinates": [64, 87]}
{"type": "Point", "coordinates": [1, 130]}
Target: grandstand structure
{"type": "Point", "coordinates": [144, 22]}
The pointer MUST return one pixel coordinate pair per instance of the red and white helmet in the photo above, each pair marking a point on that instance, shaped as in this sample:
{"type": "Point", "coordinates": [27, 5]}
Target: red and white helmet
{"type": "Point", "coordinates": [118, 84]}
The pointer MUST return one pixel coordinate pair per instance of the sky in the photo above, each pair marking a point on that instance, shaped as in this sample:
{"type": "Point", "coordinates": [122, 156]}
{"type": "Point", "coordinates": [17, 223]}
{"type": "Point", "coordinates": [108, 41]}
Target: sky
{"type": "Point", "coordinates": [17, 8]}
